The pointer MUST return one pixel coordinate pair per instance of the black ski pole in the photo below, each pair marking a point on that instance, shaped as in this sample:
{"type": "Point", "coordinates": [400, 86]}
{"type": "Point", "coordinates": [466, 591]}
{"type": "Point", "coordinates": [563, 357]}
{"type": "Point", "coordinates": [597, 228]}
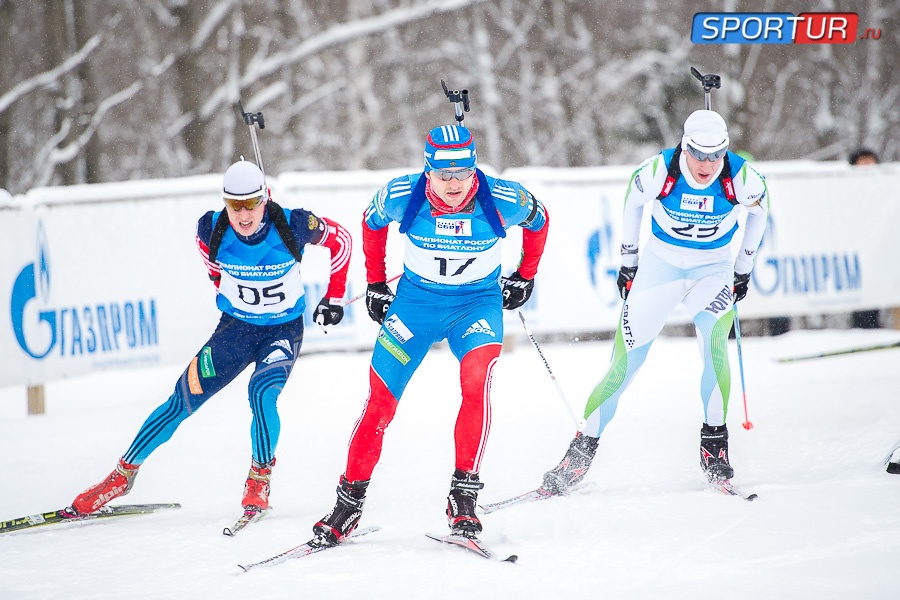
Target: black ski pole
{"type": "Point", "coordinates": [709, 82]}
{"type": "Point", "coordinates": [460, 100]}
{"type": "Point", "coordinates": [252, 119]}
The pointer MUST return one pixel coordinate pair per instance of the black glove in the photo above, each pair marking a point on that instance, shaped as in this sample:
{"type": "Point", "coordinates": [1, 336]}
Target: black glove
{"type": "Point", "coordinates": [741, 283]}
{"type": "Point", "coordinates": [378, 298]}
{"type": "Point", "coordinates": [327, 313]}
{"type": "Point", "coordinates": [516, 290]}
{"type": "Point", "coordinates": [626, 276]}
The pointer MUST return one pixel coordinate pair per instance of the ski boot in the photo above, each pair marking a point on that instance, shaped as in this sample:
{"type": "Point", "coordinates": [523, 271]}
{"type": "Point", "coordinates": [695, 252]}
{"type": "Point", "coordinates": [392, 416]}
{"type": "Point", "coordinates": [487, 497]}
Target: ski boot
{"type": "Point", "coordinates": [461, 504]}
{"type": "Point", "coordinates": [573, 467]}
{"type": "Point", "coordinates": [345, 516]}
{"type": "Point", "coordinates": [117, 484]}
{"type": "Point", "coordinates": [714, 453]}
{"type": "Point", "coordinates": [256, 488]}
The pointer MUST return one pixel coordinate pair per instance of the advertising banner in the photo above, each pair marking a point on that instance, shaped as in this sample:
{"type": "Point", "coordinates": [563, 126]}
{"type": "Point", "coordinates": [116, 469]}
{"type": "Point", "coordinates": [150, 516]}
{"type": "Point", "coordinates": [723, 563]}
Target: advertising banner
{"type": "Point", "coordinates": [101, 276]}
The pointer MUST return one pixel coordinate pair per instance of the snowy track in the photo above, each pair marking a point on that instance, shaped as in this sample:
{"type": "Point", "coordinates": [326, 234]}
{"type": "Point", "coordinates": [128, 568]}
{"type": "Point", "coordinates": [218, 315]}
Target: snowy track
{"type": "Point", "coordinates": [643, 525]}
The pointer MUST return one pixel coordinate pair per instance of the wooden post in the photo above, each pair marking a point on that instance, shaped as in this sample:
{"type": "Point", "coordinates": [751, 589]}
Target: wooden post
{"type": "Point", "coordinates": [36, 400]}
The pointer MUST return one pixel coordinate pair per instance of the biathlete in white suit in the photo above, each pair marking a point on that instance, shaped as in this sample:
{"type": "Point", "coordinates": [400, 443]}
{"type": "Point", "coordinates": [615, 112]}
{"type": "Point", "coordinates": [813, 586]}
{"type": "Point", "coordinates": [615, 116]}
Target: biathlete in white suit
{"type": "Point", "coordinates": [454, 218]}
{"type": "Point", "coordinates": [694, 192]}
{"type": "Point", "coordinates": [252, 251]}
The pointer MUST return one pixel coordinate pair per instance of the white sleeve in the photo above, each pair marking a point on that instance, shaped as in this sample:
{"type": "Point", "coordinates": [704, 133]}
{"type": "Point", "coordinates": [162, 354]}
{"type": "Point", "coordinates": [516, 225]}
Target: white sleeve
{"type": "Point", "coordinates": [752, 193]}
{"type": "Point", "coordinates": [646, 183]}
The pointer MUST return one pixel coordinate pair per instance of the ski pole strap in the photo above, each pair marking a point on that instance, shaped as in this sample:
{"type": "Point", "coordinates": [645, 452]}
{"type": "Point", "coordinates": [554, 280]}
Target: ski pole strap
{"type": "Point", "coordinates": [674, 172]}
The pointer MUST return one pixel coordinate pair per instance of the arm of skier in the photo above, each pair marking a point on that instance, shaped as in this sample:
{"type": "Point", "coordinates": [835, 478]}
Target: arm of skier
{"type": "Point", "coordinates": [752, 193]}
{"type": "Point", "coordinates": [203, 235]}
{"type": "Point", "coordinates": [375, 232]}
{"type": "Point", "coordinates": [534, 238]}
{"type": "Point", "coordinates": [339, 243]}
{"type": "Point", "coordinates": [643, 187]}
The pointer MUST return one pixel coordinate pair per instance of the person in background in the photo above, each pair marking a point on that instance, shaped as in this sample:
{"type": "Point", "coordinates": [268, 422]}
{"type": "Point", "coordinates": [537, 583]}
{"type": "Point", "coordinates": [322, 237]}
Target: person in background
{"type": "Point", "coordinates": [694, 191]}
{"type": "Point", "coordinates": [454, 218]}
{"type": "Point", "coordinates": [252, 250]}
{"type": "Point", "coordinates": [864, 319]}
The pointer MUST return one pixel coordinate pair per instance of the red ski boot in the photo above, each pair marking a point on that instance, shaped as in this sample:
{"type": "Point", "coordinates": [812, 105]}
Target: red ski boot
{"type": "Point", "coordinates": [117, 484]}
{"type": "Point", "coordinates": [256, 489]}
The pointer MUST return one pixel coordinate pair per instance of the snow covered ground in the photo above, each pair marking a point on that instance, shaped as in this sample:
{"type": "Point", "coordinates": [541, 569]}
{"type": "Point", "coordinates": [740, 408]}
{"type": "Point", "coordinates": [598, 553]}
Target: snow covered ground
{"type": "Point", "coordinates": [642, 526]}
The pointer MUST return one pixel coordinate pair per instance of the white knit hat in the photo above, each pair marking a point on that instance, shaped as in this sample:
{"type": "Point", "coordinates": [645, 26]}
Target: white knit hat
{"type": "Point", "coordinates": [706, 131]}
{"type": "Point", "coordinates": [243, 180]}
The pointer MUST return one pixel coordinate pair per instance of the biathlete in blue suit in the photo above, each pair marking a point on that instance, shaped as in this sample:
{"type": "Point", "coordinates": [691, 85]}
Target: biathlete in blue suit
{"type": "Point", "coordinates": [695, 193]}
{"type": "Point", "coordinates": [252, 251]}
{"type": "Point", "coordinates": [454, 218]}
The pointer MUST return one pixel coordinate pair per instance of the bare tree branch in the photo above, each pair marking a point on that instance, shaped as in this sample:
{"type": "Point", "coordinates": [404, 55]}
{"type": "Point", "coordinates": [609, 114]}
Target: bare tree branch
{"type": "Point", "coordinates": [49, 78]}
{"type": "Point", "coordinates": [337, 35]}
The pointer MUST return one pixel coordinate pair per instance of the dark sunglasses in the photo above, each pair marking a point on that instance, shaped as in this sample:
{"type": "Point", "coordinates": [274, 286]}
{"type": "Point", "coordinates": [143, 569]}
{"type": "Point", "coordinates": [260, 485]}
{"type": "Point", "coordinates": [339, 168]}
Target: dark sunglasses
{"type": "Point", "coordinates": [248, 203]}
{"type": "Point", "coordinates": [710, 156]}
{"type": "Point", "coordinates": [460, 175]}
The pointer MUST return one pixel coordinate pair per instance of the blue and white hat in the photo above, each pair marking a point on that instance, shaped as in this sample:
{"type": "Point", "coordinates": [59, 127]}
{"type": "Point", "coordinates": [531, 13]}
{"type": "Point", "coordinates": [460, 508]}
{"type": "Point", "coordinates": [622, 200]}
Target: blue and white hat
{"type": "Point", "coordinates": [243, 180]}
{"type": "Point", "coordinates": [449, 147]}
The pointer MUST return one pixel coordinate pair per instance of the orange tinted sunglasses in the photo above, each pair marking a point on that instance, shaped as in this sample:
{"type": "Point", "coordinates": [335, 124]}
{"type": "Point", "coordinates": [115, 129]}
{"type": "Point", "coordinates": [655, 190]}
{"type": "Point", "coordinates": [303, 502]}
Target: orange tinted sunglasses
{"type": "Point", "coordinates": [248, 203]}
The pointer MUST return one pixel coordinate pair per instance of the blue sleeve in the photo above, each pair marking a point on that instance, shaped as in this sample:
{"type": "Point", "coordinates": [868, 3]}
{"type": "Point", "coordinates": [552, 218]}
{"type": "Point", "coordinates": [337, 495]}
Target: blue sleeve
{"type": "Point", "coordinates": [205, 227]}
{"type": "Point", "coordinates": [517, 205]}
{"type": "Point", "coordinates": [390, 202]}
{"type": "Point", "coordinates": [306, 227]}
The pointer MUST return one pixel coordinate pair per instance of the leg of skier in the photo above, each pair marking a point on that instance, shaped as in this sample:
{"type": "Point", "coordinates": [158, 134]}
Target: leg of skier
{"type": "Point", "coordinates": [710, 300]}
{"type": "Point", "coordinates": [476, 339]}
{"type": "Point", "coordinates": [227, 352]}
{"type": "Point", "coordinates": [275, 359]}
{"type": "Point", "coordinates": [404, 339]}
{"type": "Point", "coordinates": [656, 290]}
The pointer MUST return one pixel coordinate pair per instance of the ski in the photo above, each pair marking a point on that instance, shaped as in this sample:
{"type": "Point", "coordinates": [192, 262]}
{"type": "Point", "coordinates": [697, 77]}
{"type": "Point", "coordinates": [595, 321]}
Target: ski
{"type": "Point", "coordinates": [532, 496]}
{"type": "Point", "coordinates": [885, 346]}
{"type": "Point", "coordinates": [726, 487]}
{"type": "Point", "coordinates": [251, 515]}
{"type": "Point", "coordinates": [68, 515]}
{"type": "Point", "coordinates": [473, 544]}
{"type": "Point", "coordinates": [311, 547]}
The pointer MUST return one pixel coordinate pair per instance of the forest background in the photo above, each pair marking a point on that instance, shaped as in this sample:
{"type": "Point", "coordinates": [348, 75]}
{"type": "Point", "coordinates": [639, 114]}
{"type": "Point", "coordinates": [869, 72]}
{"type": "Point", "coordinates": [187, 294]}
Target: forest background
{"type": "Point", "coordinates": [111, 90]}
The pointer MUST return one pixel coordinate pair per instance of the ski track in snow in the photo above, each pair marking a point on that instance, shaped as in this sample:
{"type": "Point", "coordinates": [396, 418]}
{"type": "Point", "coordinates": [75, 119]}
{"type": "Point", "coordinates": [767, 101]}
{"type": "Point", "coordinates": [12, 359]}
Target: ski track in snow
{"type": "Point", "coordinates": [642, 526]}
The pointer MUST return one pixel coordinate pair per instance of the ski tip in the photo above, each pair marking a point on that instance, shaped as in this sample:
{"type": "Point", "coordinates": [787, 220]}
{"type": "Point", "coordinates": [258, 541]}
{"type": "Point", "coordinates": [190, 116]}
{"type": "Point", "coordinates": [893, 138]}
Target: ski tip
{"type": "Point", "coordinates": [243, 568]}
{"type": "Point", "coordinates": [512, 558]}
{"type": "Point", "coordinates": [751, 497]}
{"type": "Point", "coordinates": [227, 531]}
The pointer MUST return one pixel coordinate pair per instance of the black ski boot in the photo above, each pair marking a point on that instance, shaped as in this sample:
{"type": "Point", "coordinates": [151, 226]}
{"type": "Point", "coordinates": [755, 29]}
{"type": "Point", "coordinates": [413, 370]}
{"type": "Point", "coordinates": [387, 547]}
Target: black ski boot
{"type": "Point", "coordinates": [714, 453]}
{"type": "Point", "coordinates": [461, 504]}
{"type": "Point", "coordinates": [345, 516]}
{"type": "Point", "coordinates": [574, 465]}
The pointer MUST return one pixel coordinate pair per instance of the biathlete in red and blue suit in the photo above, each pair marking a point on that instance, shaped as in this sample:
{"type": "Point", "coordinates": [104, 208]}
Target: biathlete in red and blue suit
{"type": "Point", "coordinates": [454, 218]}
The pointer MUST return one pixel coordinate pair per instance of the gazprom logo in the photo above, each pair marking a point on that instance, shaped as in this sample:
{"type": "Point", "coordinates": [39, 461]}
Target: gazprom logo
{"type": "Point", "coordinates": [603, 258]}
{"type": "Point", "coordinates": [827, 275]}
{"type": "Point", "coordinates": [91, 328]}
